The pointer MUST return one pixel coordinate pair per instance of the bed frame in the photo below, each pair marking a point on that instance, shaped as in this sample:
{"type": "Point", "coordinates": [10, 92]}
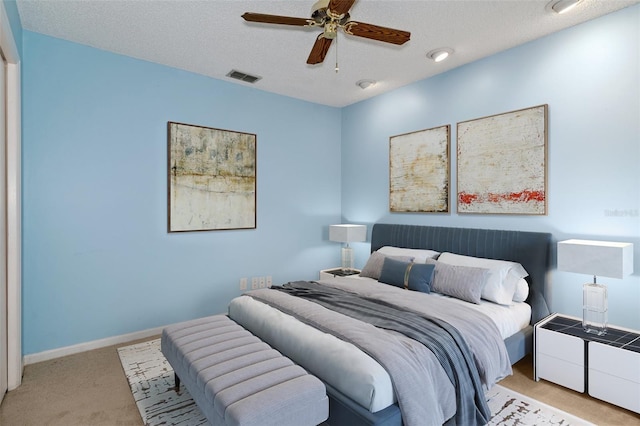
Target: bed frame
{"type": "Point", "coordinates": [530, 249]}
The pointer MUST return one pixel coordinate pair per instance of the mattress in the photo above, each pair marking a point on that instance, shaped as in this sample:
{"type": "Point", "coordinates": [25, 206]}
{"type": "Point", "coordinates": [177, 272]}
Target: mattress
{"type": "Point", "coordinates": [339, 363]}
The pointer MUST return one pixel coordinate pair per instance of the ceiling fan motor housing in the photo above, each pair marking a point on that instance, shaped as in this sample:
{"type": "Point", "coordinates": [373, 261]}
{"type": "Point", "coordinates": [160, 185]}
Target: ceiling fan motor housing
{"type": "Point", "coordinates": [320, 14]}
{"type": "Point", "coordinates": [320, 7]}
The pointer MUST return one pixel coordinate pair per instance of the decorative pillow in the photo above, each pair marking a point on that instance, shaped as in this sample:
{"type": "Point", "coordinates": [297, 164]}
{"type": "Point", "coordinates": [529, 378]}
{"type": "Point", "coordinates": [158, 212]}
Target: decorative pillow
{"type": "Point", "coordinates": [462, 282]}
{"type": "Point", "coordinates": [501, 281]}
{"type": "Point", "coordinates": [409, 275]}
{"type": "Point", "coordinates": [419, 255]}
{"type": "Point", "coordinates": [373, 266]}
{"type": "Point", "coordinates": [522, 291]}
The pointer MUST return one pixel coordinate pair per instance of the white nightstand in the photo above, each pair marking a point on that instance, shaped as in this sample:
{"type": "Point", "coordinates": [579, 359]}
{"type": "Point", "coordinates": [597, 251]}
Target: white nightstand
{"type": "Point", "coordinates": [607, 367]}
{"type": "Point", "coordinates": [337, 272]}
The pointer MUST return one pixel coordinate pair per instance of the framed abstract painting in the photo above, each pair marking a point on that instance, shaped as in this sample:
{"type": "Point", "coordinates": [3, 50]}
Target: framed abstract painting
{"type": "Point", "coordinates": [419, 171]}
{"type": "Point", "coordinates": [502, 163]}
{"type": "Point", "coordinates": [211, 179]}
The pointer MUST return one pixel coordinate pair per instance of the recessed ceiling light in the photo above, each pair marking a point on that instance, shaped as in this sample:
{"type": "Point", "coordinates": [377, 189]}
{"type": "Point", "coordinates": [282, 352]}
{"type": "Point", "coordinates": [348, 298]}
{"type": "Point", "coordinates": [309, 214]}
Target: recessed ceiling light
{"type": "Point", "coordinates": [562, 6]}
{"type": "Point", "coordinates": [364, 84]}
{"type": "Point", "coordinates": [440, 54]}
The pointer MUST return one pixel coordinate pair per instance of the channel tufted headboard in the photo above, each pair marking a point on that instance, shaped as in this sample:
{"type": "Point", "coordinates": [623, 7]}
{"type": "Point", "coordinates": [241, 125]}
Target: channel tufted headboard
{"type": "Point", "coordinates": [530, 249]}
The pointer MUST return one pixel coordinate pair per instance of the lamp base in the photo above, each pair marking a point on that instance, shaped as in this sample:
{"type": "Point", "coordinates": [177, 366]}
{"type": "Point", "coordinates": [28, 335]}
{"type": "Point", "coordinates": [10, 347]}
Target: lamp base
{"type": "Point", "coordinates": [347, 259]}
{"type": "Point", "coordinates": [594, 308]}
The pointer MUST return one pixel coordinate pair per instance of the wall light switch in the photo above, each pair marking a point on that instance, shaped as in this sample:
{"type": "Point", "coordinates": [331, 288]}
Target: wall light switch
{"type": "Point", "coordinates": [243, 283]}
{"type": "Point", "coordinates": [254, 283]}
{"type": "Point", "coordinates": [263, 282]}
{"type": "Point", "coordinates": [269, 281]}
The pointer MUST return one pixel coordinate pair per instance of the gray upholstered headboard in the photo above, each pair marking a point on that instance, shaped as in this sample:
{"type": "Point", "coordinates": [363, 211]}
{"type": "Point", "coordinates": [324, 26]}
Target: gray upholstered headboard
{"type": "Point", "coordinates": [530, 249]}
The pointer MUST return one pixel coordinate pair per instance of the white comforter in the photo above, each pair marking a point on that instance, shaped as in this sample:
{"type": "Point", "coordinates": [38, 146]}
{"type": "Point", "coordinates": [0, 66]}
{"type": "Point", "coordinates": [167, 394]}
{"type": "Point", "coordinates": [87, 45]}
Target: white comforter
{"type": "Point", "coordinates": [343, 365]}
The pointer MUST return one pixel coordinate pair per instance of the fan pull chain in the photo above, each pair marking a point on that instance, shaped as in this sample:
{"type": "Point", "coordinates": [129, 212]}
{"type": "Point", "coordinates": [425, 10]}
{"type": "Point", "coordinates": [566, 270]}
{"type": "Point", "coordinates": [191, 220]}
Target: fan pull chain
{"type": "Point", "coordinates": [337, 67]}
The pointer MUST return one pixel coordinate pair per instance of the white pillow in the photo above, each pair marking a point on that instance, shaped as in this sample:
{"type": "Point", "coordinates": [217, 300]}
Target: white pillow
{"type": "Point", "coordinates": [419, 255]}
{"type": "Point", "coordinates": [522, 291]}
{"type": "Point", "coordinates": [503, 275]}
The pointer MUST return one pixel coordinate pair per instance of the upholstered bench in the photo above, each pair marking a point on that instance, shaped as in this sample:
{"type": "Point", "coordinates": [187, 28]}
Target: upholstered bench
{"type": "Point", "coordinates": [238, 380]}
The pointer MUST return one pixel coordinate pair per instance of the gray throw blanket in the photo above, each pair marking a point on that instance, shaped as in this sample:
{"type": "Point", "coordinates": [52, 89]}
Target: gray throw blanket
{"type": "Point", "coordinates": [439, 337]}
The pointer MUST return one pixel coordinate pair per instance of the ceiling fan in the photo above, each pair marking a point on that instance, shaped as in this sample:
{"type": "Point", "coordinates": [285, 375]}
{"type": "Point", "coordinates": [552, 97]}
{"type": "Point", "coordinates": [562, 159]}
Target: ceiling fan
{"type": "Point", "coordinates": [331, 15]}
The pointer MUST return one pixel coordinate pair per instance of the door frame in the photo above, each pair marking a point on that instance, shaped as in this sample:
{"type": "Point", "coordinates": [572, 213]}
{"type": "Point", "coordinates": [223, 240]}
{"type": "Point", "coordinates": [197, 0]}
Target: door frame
{"type": "Point", "coordinates": [14, 203]}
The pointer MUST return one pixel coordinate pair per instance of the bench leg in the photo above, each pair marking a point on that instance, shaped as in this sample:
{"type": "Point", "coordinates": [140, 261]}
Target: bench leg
{"type": "Point", "coordinates": [177, 382]}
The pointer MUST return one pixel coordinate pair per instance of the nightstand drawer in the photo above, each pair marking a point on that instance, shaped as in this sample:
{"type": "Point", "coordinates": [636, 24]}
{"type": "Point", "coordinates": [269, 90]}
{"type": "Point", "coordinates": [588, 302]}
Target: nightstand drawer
{"type": "Point", "coordinates": [561, 372]}
{"type": "Point", "coordinates": [615, 361]}
{"type": "Point", "coordinates": [614, 375]}
{"type": "Point", "coordinates": [615, 390]}
{"type": "Point", "coordinates": [560, 346]}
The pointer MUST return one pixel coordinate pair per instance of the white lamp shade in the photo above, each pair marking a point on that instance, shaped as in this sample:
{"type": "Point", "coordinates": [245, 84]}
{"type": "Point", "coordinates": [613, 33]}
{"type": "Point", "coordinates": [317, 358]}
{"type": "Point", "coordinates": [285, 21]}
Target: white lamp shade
{"type": "Point", "coordinates": [598, 258]}
{"type": "Point", "coordinates": [347, 233]}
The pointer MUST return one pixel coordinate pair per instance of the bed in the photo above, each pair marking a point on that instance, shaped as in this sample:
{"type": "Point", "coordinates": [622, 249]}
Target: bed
{"type": "Point", "coordinates": [361, 390]}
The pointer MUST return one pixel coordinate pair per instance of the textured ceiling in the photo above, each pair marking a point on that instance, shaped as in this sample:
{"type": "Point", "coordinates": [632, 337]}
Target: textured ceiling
{"type": "Point", "coordinates": [210, 38]}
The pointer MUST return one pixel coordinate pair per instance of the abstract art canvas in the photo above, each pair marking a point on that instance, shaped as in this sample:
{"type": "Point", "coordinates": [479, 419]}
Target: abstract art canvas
{"type": "Point", "coordinates": [501, 163]}
{"type": "Point", "coordinates": [419, 171]}
{"type": "Point", "coordinates": [212, 178]}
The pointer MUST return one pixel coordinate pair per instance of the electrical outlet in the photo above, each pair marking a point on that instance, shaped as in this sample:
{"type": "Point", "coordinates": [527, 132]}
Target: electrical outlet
{"type": "Point", "coordinates": [243, 283]}
{"type": "Point", "coordinates": [254, 283]}
{"type": "Point", "coordinates": [263, 282]}
{"type": "Point", "coordinates": [269, 281]}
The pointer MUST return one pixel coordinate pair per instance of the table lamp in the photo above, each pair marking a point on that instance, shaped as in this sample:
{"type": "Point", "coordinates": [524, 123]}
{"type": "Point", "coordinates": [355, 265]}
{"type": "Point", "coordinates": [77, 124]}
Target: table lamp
{"type": "Point", "coordinates": [347, 233]}
{"type": "Point", "coordinates": [597, 258]}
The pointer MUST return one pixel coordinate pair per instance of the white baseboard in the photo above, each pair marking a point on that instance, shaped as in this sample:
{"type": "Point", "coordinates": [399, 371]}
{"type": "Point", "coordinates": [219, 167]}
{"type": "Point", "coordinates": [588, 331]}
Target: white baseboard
{"type": "Point", "coordinates": [87, 346]}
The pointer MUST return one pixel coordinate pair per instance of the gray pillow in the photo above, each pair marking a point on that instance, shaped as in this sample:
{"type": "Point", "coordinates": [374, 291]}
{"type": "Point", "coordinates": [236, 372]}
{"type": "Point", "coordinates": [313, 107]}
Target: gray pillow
{"type": "Point", "coordinates": [462, 282]}
{"type": "Point", "coordinates": [373, 268]}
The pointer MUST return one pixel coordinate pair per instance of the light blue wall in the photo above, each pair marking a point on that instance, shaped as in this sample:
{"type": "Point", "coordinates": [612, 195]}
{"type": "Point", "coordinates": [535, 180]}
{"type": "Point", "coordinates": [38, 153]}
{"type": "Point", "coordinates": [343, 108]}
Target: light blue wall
{"type": "Point", "coordinates": [589, 75]}
{"type": "Point", "coordinates": [98, 260]}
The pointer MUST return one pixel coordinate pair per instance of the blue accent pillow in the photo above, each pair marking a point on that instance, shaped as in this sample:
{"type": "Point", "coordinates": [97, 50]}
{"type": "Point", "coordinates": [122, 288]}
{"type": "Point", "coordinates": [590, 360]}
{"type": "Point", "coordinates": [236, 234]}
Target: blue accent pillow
{"type": "Point", "coordinates": [418, 276]}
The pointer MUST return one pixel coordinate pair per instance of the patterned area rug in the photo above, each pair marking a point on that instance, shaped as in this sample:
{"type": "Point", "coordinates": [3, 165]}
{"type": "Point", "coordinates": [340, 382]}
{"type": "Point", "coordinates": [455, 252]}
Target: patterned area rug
{"type": "Point", "coordinates": [151, 380]}
{"type": "Point", "coordinates": [510, 408]}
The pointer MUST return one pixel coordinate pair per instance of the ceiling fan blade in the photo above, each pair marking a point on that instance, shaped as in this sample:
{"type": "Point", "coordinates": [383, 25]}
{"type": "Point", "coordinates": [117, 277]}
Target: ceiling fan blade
{"type": "Point", "coordinates": [376, 32]}
{"type": "Point", "coordinates": [340, 7]}
{"type": "Point", "coordinates": [275, 19]}
{"type": "Point", "coordinates": [319, 50]}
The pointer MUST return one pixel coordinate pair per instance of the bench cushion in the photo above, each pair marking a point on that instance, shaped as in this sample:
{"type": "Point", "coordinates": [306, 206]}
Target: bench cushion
{"type": "Point", "coordinates": [238, 380]}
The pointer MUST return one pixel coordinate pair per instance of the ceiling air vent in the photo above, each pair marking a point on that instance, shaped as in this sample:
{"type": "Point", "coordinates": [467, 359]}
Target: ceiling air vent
{"type": "Point", "coordinates": [238, 75]}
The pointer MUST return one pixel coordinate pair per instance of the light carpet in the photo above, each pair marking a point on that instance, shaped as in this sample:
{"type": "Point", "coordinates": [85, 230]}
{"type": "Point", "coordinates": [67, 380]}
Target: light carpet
{"type": "Point", "coordinates": [151, 380]}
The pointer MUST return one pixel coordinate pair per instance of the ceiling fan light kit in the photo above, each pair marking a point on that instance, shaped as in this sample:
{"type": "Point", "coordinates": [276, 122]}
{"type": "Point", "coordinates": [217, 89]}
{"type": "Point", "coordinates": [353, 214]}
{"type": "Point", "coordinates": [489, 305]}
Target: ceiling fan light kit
{"type": "Point", "coordinates": [440, 54]}
{"type": "Point", "coordinates": [332, 15]}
